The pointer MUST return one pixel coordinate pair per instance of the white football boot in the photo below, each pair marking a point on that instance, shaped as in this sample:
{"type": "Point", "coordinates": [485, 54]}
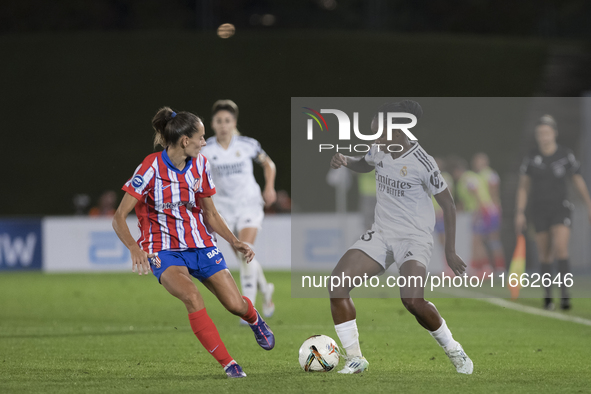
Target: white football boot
{"type": "Point", "coordinates": [268, 305]}
{"type": "Point", "coordinates": [460, 359]}
{"type": "Point", "coordinates": [355, 365]}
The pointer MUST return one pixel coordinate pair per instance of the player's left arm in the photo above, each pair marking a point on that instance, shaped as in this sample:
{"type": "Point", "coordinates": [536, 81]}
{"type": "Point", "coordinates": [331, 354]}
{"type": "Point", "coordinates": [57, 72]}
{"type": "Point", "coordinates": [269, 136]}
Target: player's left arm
{"type": "Point", "coordinates": [446, 202]}
{"type": "Point", "coordinates": [217, 224]}
{"type": "Point", "coordinates": [270, 171]}
{"type": "Point", "coordinates": [581, 187]}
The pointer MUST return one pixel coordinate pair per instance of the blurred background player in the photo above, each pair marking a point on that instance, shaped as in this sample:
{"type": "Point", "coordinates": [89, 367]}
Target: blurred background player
{"type": "Point", "coordinates": [106, 206]}
{"type": "Point", "coordinates": [401, 234]}
{"type": "Point", "coordinates": [238, 197]}
{"type": "Point", "coordinates": [543, 187]}
{"type": "Point", "coordinates": [490, 213]}
{"type": "Point", "coordinates": [472, 192]}
{"type": "Point", "coordinates": [171, 192]}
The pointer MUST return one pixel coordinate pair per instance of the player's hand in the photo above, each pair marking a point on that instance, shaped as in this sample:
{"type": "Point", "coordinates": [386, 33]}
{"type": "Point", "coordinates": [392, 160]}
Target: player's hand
{"type": "Point", "coordinates": [269, 196]}
{"type": "Point", "coordinates": [338, 160]}
{"type": "Point", "coordinates": [139, 261]}
{"type": "Point", "coordinates": [456, 263]}
{"type": "Point", "coordinates": [520, 223]}
{"type": "Point", "coordinates": [245, 250]}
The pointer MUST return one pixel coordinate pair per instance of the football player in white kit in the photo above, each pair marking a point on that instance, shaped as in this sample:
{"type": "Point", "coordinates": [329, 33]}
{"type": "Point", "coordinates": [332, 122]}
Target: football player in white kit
{"type": "Point", "coordinates": [238, 198]}
{"type": "Point", "coordinates": [401, 235]}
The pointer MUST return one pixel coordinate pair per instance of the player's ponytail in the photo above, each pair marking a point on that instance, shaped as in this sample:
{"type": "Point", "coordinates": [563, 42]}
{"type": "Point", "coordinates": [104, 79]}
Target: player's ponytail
{"type": "Point", "coordinates": [226, 105]}
{"type": "Point", "coordinates": [169, 126]}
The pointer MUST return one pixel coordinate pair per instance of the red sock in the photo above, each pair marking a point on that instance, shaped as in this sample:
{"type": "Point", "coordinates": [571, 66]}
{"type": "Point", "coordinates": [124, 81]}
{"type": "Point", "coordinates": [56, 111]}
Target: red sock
{"type": "Point", "coordinates": [209, 336]}
{"type": "Point", "coordinates": [251, 314]}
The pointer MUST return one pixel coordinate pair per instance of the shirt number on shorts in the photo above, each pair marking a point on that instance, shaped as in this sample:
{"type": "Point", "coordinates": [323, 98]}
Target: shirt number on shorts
{"type": "Point", "coordinates": [367, 236]}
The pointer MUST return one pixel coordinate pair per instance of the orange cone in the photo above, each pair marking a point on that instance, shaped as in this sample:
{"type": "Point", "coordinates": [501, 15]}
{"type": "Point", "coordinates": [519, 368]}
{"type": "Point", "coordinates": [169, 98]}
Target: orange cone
{"type": "Point", "coordinates": [517, 265]}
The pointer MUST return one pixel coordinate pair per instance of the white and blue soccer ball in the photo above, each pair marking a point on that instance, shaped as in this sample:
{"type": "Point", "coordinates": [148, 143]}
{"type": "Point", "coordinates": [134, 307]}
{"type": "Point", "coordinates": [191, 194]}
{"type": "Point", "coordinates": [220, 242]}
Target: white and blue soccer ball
{"type": "Point", "coordinates": [319, 353]}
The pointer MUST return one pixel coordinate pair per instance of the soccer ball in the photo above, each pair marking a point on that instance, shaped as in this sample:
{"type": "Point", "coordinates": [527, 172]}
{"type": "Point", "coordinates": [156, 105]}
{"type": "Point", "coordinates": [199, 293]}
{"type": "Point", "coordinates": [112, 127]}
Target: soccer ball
{"type": "Point", "coordinates": [319, 353]}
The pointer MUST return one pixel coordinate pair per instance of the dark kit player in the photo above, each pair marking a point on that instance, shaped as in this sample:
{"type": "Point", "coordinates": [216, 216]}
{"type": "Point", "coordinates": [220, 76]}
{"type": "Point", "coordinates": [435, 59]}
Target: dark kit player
{"type": "Point", "coordinates": [543, 186]}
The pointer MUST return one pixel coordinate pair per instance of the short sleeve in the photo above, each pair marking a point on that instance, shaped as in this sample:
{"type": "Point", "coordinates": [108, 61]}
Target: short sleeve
{"type": "Point", "coordinates": [258, 154]}
{"type": "Point", "coordinates": [525, 168]}
{"type": "Point", "coordinates": [205, 187]}
{"type": "Point", "coordinates": [374, 155]}
{"type": "Point", "coordinates": [574, 167]}
{"type": "Point", "coordinates": [493, 178]}
{"type": "Point", "coordinates": [431, 176]}
{"type": "Point", "coordinates": [142, 180]}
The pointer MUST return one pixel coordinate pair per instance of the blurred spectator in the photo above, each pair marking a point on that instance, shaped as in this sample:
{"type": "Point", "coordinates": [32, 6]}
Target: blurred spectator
{"type": "Point", "coordinates": [106, 205]}
{"type": "Point", "coordinates": [281, 205]}
{"type": "Point", "coordinates": [81, 203]}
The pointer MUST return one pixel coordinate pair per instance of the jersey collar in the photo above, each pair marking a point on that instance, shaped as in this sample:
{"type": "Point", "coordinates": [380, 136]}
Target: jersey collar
{"type": "Point", "coordinates": [229, 145]}
{"type": "Point", "coordinates": [171, 166]}
{"type": "Point", "coordinates": [412, 149]}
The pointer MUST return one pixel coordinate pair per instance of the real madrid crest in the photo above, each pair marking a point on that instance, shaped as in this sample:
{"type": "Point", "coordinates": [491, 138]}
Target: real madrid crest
{"type": "Point", "coordinates": [403, 171]}
{"type": "Point", "coordinates": [237, 153]}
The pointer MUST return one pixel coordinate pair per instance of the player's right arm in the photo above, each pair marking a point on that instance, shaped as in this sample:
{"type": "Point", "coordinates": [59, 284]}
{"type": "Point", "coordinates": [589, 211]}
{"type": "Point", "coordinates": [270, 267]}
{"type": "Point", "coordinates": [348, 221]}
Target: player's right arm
{"type": "Point", "coordinates": [139, 258]}
{"type": "Point", "coordinates": [354, 163]}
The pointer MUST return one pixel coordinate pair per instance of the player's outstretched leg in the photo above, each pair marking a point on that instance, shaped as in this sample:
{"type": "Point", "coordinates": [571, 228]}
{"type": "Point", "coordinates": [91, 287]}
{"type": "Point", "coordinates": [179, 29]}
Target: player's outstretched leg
{"type": "Point", "coordinates": [177, 281]}
{"type": "Point", "coordinates": [428, 316]}
{"type": "Point", "coordinates": [222, 285]}
{"type": "Point", "coordinates": [353, 263]}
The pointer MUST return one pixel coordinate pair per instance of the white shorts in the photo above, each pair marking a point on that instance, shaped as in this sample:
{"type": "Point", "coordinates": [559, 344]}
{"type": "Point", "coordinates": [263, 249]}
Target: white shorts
{"type": "Point", "coordinates": [238, 218]}
{"type": "Point", "coordinates": [394, 250]}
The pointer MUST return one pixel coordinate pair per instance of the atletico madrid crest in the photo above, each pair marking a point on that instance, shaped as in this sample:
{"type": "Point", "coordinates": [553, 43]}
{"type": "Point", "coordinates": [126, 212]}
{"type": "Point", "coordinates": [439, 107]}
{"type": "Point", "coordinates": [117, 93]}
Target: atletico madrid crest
{"type": "Point", "coordinates": [155, 261]}
{"type": "Point", "coordinates": [197, 185]}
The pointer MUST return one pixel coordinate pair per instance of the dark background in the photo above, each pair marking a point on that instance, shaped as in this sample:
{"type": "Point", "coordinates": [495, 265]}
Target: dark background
{"type": "Point", "coordinates": [80, 81]}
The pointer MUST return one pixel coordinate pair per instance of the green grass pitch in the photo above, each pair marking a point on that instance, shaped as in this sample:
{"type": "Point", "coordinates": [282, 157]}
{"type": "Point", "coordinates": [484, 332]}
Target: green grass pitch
{"type": "Point", "coordinates": [87, 333]}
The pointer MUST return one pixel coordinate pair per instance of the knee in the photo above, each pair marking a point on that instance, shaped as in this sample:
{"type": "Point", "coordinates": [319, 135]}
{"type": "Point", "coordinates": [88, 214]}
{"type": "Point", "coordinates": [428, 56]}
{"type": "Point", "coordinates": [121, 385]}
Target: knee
{"type": "Point", "coordinates": [561, 251]}
{"type": "Point", "coordinates": [192, 301]}
{"type": "Point", "coordinates": [413, 305]}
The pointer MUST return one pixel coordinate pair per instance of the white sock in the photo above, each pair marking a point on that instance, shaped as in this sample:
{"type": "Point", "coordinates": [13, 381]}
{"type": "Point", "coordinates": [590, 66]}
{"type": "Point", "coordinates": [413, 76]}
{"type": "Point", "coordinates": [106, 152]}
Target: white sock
{"type": "Point", "coordinates": [349, 336]}
{"type": "Point", "coordinates": [261, 280]}
{"type": "Point", "coordinates": [443, 336]}
{"type": "Point", "coordinates": [229, 364]}
{"type": "Point", "coordinates": [248, 280]}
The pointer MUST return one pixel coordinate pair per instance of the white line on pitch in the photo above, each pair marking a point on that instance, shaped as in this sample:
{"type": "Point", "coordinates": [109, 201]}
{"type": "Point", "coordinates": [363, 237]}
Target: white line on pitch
{"type": "Point", "coordinates": [535, 311]}
{"type": "Point", "coordinates": [515, 306]}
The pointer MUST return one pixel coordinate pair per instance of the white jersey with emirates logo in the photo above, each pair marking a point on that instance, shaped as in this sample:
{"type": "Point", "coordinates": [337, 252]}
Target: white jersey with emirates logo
{"type": "Point", "coordinates": [403, 188]}
{"type": "Point", "coordinates": [232, 171]}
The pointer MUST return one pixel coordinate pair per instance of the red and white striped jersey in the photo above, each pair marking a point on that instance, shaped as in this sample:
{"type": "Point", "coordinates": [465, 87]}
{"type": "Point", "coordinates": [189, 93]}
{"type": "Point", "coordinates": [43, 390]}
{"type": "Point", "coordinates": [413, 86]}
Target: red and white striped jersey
{"type": "Point", "coordinates": [168, 210]}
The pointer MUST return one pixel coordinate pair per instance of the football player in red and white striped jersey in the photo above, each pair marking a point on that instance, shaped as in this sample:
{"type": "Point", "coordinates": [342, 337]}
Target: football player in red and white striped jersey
{"type": "Point", "coordinates": [171, 193]}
